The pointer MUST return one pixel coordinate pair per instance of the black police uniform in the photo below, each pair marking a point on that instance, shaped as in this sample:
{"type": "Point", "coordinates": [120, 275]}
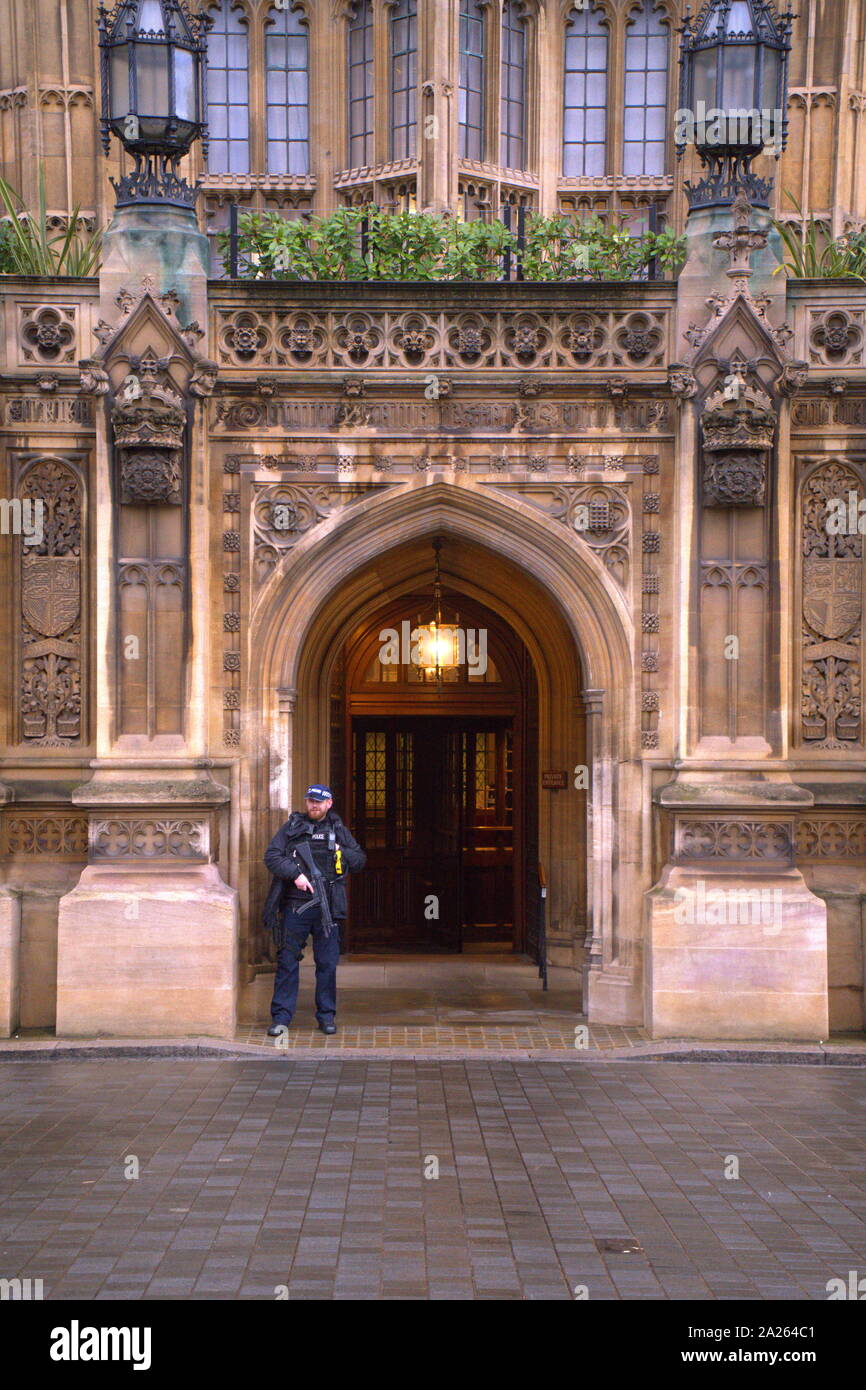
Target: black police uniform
{"type": "Point", "coordinates": [335, 853]}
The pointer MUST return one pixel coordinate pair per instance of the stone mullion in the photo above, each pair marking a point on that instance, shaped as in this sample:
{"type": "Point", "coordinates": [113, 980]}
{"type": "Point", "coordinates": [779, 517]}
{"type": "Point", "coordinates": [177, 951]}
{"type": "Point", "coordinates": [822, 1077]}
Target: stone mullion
{"type": "Point", "coordinates": [381, 82]}
{"type": "Point", "coordinates": [492, 94]}
{"type": "Point", "coordinates": [615, 114]}
{"type": "Point", "coordinates": [437, 53]}
{"type": "Point", "coordinates": [258, 137]}
{"type": "Point", "coordinates": [327, 75]}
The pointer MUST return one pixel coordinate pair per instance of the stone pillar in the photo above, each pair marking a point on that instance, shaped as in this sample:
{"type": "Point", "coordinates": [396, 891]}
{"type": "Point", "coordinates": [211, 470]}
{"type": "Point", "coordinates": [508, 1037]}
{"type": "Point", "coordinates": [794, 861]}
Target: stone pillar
{"type": "Point", "coordinates": [160, 243]}
{"type": "Point", "coordinates": [10, 950]}
{"type": "Point", "coordinates": [148, 937]}
{"type": "Point", "coordinates": [736, 942]}
{"type": "Point", "coordinates": [595, 839]}
{"type": "Point", "coordinates": [147, 940]}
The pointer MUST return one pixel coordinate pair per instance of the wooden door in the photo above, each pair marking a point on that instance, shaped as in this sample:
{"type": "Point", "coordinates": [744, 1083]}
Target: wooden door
{"type": "Point", "coordinates": [433, 808]}
{"type": "Point", "coordinates": [407, 815]}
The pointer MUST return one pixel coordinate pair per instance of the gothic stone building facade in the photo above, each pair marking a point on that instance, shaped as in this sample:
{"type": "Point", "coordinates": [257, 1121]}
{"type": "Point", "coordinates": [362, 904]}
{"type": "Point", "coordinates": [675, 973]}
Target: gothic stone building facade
{"type": "Point", "coordinates": [241, 482]}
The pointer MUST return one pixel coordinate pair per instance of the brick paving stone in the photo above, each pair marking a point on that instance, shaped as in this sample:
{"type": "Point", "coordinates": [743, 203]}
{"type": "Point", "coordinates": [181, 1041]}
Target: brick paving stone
{"type": "Point", "coordinates": [310, 1173]}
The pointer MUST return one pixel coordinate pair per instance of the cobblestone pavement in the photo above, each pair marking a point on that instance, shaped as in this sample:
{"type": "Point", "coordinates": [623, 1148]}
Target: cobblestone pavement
{"type": "Point", "coordinates": [311, 1174]}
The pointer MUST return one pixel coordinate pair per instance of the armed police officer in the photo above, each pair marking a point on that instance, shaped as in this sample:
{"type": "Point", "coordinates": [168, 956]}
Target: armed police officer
{"type": "Point", "coordinates": [309, 859]}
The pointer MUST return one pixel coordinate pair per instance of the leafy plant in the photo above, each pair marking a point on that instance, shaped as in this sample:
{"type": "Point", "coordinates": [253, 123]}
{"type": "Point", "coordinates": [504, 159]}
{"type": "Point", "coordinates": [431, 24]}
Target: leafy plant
{"type": "Point", "coordinates": [369, 244]}
{"type": "Point", "coordinates": [28, 247]}
{"type": "Point", "coordinates": [565, 248]}
{"type": "Point", "coordinates": [813, 253]}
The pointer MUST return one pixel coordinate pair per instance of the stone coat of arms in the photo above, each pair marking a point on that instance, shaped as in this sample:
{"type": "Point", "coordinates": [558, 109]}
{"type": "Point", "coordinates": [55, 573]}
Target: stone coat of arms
{"type": "Point", "coordinates": [51, 593]}
{"type": "Point", "coordinates": [832, 595]}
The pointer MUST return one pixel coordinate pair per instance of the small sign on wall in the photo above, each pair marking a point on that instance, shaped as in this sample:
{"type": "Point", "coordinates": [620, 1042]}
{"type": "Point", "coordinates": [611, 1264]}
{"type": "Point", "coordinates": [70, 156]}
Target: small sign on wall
{"type": "Point", "coordinates": [554, 781]}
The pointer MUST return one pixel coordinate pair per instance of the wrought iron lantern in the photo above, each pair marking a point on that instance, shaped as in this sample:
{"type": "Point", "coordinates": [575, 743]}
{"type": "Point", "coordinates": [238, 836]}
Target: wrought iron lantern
{"type": "Point", "coordinates": [437, 643]}
{"type": "Point", "coordinates": [733, 96]}
{"type": "Point", "coordinates": [153, 96]}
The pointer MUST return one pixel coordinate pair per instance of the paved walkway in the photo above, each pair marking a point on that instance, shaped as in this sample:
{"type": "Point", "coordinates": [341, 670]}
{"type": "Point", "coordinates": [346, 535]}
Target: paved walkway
{"type": "Point", "coordinates": [455, 1006]}
{"type": "Point", "coordinates": [613, 1179]}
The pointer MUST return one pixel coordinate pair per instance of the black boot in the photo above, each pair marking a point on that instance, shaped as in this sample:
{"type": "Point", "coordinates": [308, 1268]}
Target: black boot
{"type": "Point", "coordinates": [276, 1030]}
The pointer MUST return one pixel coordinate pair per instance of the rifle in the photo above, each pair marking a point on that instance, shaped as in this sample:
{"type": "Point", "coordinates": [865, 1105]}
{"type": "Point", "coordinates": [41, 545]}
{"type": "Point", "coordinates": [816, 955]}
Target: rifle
{"type": "Point", "coordinates": [304, 853]}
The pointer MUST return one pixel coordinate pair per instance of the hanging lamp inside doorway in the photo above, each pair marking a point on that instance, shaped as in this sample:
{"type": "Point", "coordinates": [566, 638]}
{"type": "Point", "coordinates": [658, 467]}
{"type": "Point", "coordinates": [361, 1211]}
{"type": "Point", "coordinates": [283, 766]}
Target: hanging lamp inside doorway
{"type": "Point", "coordinates": [438, 645]}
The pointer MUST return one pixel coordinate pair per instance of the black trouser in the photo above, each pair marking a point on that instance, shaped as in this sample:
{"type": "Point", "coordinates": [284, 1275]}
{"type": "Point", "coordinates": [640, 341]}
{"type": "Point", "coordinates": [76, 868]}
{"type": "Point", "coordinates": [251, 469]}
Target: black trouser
{"type": "Point", "coordinates": [326, 953]}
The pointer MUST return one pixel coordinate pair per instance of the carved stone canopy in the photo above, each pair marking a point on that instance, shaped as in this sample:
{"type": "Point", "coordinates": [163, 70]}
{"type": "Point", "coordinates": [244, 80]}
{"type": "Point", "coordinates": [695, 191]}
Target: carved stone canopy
{"type": "Point", "coordinates": [738, 427]}
{"type": "Point", "coordinates": [148, 420]}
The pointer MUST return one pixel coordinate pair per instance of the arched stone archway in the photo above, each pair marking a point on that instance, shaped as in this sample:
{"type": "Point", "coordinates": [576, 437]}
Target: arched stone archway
{"type": "Point", "coordinates": [566, 608]}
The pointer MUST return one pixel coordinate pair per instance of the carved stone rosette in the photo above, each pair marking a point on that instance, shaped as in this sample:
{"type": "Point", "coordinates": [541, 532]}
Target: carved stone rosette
{"type": "Point", "coordinates": [737, 427]}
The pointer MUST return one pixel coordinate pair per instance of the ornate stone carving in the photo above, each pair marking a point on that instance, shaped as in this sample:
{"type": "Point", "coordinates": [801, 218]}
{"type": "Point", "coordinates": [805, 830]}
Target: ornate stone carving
{"type": "Point", "coordinates": [832, 586]}
{"type": "Point", "coordinates": [50, 652]}
{"type": "Point", "coordinates": [596, 514]}
{"type": "Point", "coordinates": [48, 333]}
{"type": "Point", "coordinates": [836, 337]}
{"type": "Point", "coordinates": [735, 480]}
{"type": "Point", "coordinates": [203, 377]}
{"type": "Point", "coordinates": [831, 837]}
{"type": "Point", "coordinates": [375, 340]}
{"type": "Point", "coordinates": [58, 834]}
{"type": "Point", "coordinates": [682, 381]}
{"type": "Point", "coordinates": [148, 419]}
{"type": "Point", "coordinates": [733, 839]}
{"type": "Point", "coordinates": [94, 379]}
{"type": "Point", "coordinates": [141, 838]}
{"type": "Point", "coordinates": [283, 512]}
{"type": "Point", "coordinates": [450, 416]}
{"type": "Point", "coordinates": [738, 426]}
{"type": "Point", "coordinates": [793, 378]}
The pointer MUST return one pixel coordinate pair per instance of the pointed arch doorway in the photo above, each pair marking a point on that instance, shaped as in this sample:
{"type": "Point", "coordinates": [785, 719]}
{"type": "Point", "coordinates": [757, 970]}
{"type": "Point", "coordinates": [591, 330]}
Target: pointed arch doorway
{"type": "Point", "coordinates": [439, 772]}
{"type": "Point", "coordinates": [572, 621]}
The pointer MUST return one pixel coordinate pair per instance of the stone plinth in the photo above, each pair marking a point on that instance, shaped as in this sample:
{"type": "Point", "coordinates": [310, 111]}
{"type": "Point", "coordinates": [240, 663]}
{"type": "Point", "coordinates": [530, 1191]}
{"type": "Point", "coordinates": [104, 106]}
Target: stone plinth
{"type": "Point", "coordinates": [736, 955]}
{"type": "Point", "coordinates": [163, 243]}
{"type": "Point", "coordinates": [10, 949]}
{"type": "Point", "coordinates": [147, 954]}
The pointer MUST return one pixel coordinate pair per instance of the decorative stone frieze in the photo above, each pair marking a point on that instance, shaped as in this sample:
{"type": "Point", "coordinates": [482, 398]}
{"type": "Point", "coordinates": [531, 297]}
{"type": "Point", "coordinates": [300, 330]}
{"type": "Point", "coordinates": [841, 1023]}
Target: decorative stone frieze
{"type": "Point", "coordinates": [747, 840]}
{"type": "Point", "coordinates": [59, 833]}
{"type": "Point", "coordinates": [373, 340]}
{"type": "Point", "coordinates": [145, 838]}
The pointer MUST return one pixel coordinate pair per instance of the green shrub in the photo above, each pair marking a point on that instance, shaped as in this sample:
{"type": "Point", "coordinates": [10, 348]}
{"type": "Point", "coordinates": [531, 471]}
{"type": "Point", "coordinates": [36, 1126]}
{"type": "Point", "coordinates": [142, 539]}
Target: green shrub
{"type": "Point", "coordinates": [368, 244]}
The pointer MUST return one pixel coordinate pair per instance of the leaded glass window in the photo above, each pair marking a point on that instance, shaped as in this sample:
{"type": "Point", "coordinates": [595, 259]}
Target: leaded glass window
{"type": "Point", "coordinates": [228, 94]}
{"type": "Point", "coordinates": [287, 93]}
{"type": "Point", "coordinates": [404, 78]}
{"type": "Point", "coordinates": [513, 88]}
{"type": "Point", "coordinates": [646, 93]}
{"type": "Point", "coordinates": [361, 85]}
{"type": "Point", "coordinates": [585, 106]}
{"type": "Point", "coordinates": [471, 89]}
